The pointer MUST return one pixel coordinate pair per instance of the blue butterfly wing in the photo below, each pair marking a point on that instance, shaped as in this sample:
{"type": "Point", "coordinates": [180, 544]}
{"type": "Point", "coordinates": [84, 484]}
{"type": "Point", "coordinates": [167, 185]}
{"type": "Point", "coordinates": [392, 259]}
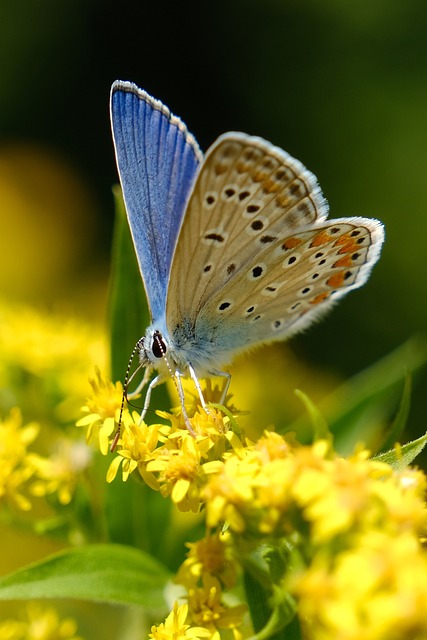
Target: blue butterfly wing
{"type": "Point", "coordinates": [158, 160]}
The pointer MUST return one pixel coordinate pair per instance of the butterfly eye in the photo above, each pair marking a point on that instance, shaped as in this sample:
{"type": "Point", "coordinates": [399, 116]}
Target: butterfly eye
{"type": "Point", "coordinates": [158, 346]}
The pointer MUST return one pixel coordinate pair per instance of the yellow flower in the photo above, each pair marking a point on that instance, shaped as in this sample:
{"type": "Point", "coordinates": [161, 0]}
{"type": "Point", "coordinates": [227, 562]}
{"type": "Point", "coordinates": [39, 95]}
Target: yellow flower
{"type": "Point", "coordinates": [375, 590]}
{"type": "Point", "coordinates": [272, 446]}
{"type": "Point", "coordinates": [179, 472]}
{"type": "Point", "coordinates": [171, 459]}
{"type": "Point", "coordinates": [52, 355]}
{"type": "Point", "coordinates": [38, 623]}
{"type": "Point", "coordinates": [16, 465]}
{"type": "Point", "coordinates": [402, 496]}
{"type": "Point", "coordinates": [209, 556]}
{"type": "Point", "coordinates": [229, 493]}
{"type": "Point", "coordinates": [212, 393]}
{"type": "Point", "coordinates": [207, 609]}
{"type": "Point", "coordinates": [102, 411]}
{"type": "Point", "coordinates": [135, 449]}
{"type": "Point", "coordinates": [341, 495]}
{"type": "Point", "coordinates": [60, 472]}
{"type": "Point", "coordinates": [175, 627]}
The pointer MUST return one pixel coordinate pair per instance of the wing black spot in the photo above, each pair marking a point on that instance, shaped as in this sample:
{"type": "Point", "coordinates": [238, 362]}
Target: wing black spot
{"type": "Point", "coordinates": [217, 237]}
{"type": "Point", "coordinates": [267, 239]}
{"type": "Point", "coordinates": [257, 271]}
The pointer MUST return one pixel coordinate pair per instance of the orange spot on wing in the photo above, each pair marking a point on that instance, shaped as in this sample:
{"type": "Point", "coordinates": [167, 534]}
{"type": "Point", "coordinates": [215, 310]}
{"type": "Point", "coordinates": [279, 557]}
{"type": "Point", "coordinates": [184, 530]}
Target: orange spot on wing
{"type": "Point", "coordinates": [259, 176]}
{"type": "Point", "coordinates": [319, 298]}
{"type": "Point", "coordinates": [348, 248]}
{"type": "Point", "coordinates": [337, 280]}
{"type": "Point", "coordinates": [321, 238]}
{"type": "Point", "coordinates": [243, 167]}
{"type": "Point", "coordinates": [270, 186]}
{"type": "Point", "coordinates": [348, 244]}
{"type": "Point", "coordinates": [343, 262]}
{"type": "Point", "coordinates": [282, 201]}
{"type": "Point", "coordinates": [291, 243]}
{"type": "Point", "coordinates": [344, 239]}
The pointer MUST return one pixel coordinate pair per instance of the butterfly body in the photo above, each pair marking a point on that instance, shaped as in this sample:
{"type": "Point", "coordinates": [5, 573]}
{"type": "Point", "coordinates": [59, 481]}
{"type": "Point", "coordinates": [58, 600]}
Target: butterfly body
{"type": "Point", "coordinates": [235, 249]}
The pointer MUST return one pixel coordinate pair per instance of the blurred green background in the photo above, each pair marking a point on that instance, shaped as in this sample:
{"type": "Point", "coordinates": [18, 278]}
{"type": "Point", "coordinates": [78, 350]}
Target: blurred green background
{"type": "Point", "coordinates": [340, 85]}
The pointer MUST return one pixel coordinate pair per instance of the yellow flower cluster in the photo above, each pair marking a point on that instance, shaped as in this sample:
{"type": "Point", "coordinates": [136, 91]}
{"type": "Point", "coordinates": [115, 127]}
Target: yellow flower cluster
{"type": "Point", "coordinates": [16, 464]}
{"type": "Point", "coordinates": [38, 623]}
{"type": "Point", "coordinates": [45, 361]}
{"type": "Point", "coordinates": [208, 570]}
{"type": "Point", "coordinates": [353, 526]}
{"type": "Point", "coordinates": [268, 488]}
{"type": "Point", "coordinates": [24, 473]}
{"type": "Point", "coordinates": [167, 457]}
{"type": "Point", "coordinates": [374, 588]}
{"type": "Point", "coordinates": [44, 364]}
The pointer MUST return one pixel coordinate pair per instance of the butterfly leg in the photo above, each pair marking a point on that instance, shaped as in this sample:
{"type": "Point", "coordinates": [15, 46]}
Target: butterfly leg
{"type": "Point", "coordinates": [155, 381]}
{"type": "Point", "coordinates": [224, 374]}
{"type": "Point", "coordinates": [178, 375]}
{"type": "Point", "coordinates": [198, 387]}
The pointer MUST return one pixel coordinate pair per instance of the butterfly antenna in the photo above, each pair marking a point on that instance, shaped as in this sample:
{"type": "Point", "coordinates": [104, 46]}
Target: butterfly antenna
{"type": "Point", "coordinates": [136, 348]}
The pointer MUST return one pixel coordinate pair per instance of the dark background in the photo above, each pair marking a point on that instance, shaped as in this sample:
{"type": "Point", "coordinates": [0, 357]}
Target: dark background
{"type": "Point", "coordinates": [341, 86]}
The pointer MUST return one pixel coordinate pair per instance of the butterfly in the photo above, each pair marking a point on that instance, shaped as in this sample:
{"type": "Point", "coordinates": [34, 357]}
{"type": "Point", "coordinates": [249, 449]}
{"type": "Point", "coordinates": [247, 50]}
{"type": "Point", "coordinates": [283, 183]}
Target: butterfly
{"type": "Point", "coordinates": [234, 247]}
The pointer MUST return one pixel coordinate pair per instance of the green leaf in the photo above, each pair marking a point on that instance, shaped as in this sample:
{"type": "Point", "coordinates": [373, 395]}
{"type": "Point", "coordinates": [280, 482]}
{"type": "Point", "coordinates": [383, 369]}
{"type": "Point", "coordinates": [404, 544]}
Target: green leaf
{"type": "Point", "coordinates": [399, 423]}
{"type": "Point", "coordinates": [272, 609]}
{"type": "Point", "coordinates": [402, 456]}
{"type": "Point", "coordinates": [129, 314]}
{"type": "Point", "coordinates": [320, 426]}
{"type": "Point", "coordinates": [357, 410]}
{"type": "Point", "coordinates": [273, 616]}
{"type": "Point", "coordinates": [101, 573]}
